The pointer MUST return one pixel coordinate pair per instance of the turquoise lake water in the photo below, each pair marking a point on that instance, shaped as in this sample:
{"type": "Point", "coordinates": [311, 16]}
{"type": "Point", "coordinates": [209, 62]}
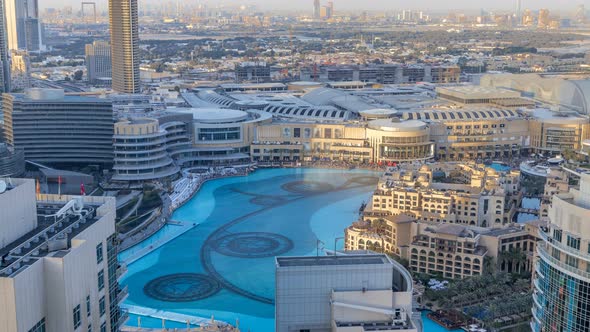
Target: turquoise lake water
{"type": "Point", "coordinates": [242, 223]}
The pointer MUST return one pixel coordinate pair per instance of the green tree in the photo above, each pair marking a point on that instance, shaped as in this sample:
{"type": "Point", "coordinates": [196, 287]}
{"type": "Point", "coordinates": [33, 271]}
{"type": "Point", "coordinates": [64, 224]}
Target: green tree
{"type": "Point", "coordinates": [78, 75]}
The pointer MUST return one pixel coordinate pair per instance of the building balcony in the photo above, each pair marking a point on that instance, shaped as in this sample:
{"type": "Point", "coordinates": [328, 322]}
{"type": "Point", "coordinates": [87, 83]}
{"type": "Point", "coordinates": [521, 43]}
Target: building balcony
{"type": "Point", "coordinates": [537, 286]}
{"type": "Point", "coordinates": [561, 266]}
{"type": "Point", "coordinates": [561, 247]}
{"type": "Point", "coordinates": [121, 270]}
{"type": "Point", "coordinates": [122, 294]}
{"type": "Point", "coordinates": [123, 318]}
{"type": "Point", "coordinates": [536, 300]}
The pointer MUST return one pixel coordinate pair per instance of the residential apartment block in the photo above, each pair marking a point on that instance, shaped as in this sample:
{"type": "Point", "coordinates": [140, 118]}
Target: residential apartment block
{"type": "Point", "coordinates": [58, 268]}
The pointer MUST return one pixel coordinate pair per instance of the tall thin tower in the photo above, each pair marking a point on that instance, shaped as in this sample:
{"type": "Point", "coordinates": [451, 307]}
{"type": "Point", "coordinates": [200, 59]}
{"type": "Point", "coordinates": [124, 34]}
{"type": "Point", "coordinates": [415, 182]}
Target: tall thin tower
{"type": "Point", "coordinates": [123, 19]}
{"type": "Point", "coordinates": [316, 9]}
{"type": "Point", "coordinates": [519, 10]}
{"type": "Point", "coordinates": [4, 62]}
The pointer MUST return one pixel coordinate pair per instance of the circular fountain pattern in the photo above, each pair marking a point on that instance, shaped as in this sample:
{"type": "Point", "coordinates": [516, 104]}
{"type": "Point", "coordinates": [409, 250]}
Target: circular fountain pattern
{"type": "Point", "coordinates": [253, 245]}
{"type": "Point", "coordinates": [307, 187]}
{"type": "Point", "coordinates": [181, 287]}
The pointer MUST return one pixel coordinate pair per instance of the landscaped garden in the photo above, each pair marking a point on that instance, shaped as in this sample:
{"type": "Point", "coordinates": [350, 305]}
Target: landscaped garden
{"type": "Point", "coordinates": [494, 300]}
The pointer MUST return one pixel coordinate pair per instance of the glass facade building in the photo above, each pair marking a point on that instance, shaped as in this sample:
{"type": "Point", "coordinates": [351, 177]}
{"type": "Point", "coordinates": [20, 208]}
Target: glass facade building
{"type": "Point", "coordinates": [561, 281]}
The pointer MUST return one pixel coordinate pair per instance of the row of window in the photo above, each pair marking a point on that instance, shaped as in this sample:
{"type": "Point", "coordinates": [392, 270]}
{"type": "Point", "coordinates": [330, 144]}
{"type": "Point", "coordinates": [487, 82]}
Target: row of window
{"type": "Point", "coordinates": [573, 242]}
{"type": "Point", "coordinates": [77, 312]}
{"type": "Point", "coordinates": [441, 115]}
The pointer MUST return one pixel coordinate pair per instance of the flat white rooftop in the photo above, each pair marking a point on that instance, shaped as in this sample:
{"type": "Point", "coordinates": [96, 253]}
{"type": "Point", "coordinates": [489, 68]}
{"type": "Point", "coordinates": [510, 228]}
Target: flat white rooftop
{"type": "Point", "coordinates": [216, 115]}
{"type": "Point", "coordinates": [333, 260]}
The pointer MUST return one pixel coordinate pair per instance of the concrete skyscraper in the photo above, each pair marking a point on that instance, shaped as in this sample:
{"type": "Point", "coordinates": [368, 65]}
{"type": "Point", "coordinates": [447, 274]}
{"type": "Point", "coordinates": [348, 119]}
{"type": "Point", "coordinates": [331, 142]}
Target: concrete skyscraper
{"type": "Point", "coordinates": [316, 9]}
{"type": "Point", "coordinates": [123, 19]}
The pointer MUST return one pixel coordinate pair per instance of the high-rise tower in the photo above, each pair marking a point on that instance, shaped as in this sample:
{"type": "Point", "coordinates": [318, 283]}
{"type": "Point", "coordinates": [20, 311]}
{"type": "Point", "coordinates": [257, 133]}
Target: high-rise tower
{"type": "Point", "coordinates": [23, 28]}
{"type": "Point", "coordinates": [99, 62]}
{"type": "Point", "coordinates": [316, 9]}
{"type": "Point", "coordinates": [544, 20]}
{"type": "Point", "coordinates": [124, 45]}
{"type": "Point", "coordinates": [561, 280]}
{"type": "Point", "coordinates": [4, 62]}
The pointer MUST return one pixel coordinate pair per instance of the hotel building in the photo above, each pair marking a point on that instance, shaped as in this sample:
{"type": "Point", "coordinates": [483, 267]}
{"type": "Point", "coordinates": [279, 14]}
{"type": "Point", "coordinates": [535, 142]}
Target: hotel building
{"type": "Point", "coordinates": [347, 292]}
{"type": "Point", "coordinates": [58, 266]}
{"type": "Point", "coordinates": [448, 250]}
{"type": "Point", "coordinates": [561, 279]}
{"type": "Point", "coordinates": [449, 193]}
{"type": "Point", "coordinates": [52, 128]}
{"type": "Point", "coordinates": [141, 152]}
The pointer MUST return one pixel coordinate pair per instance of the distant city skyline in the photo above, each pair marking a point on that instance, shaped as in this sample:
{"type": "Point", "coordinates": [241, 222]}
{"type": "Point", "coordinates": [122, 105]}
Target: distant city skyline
{"type": "Point", "coordinates": [386, 5]}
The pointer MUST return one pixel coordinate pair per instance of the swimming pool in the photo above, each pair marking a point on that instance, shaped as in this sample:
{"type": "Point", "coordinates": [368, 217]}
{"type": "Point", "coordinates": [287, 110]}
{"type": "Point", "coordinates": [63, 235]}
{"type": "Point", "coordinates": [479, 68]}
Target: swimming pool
{"type": "Point", "coordinates": [500, 167]}
{"type": "Point", "coordinates": [430, 326]}
{"type": "Point", "coordinates": [224, 267]}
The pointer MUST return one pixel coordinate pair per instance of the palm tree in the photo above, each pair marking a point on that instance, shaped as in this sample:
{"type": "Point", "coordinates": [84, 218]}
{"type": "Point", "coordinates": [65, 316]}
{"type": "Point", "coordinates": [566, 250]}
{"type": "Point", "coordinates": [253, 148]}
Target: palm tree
{"type": "Point", "coordinates": [515, 260]}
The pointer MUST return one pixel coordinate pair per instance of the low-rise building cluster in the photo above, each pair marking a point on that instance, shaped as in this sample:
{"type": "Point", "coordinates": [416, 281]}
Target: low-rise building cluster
{"type": "Point", "coordinates": [446, 219]}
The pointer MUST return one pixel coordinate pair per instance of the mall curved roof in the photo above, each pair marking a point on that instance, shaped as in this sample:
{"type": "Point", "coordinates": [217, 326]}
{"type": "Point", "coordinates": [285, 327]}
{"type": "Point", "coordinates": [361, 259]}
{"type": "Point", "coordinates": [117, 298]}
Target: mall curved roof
{"type": "Point", "coordinates": [322, 96]}
{"type": "Point", "coordinates": [460, 115]}
{"type": "Point", "coordinates": [217, 115]}
{"type": "Point", "coordinates": [570, 94]}
{"type": "Point", "coordinates": [215, 98]}
{"type": "Point", "coordinates": [251, 103]}
{"type": "Point", "coordinates": [299, 111]}
{"type": "Point", "coordinates": [402, 126]}
{"type": "Point", "coordinates": [281, 106]}
{"type": "Point", "coordinates": [579, 95]}
{"type": "Point", "coordinates": [338, 98]}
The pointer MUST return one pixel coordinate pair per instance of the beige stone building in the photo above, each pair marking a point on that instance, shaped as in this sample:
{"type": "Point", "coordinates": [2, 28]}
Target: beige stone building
{"type": "Point", "coordinates": [451, 251]}
{"type": "Point", "coordinates": [557, 183]}
{"type": "Point", "coordinates": [466, 194]}
{"type": "Point", "coordinates": [552, 132]}
{"type": "Point", "coordinates": [446, 219]}
{"type": "Point", "coordinates": [381, 140]}
{"type": "Point", "coordinates": [475, 133]}
{"type": "Point", "coordinates": [388, 233]}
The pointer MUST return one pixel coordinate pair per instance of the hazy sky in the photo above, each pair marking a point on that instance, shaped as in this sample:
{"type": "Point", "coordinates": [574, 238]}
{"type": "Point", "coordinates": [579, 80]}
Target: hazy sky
{"type": "Point", "coordinates": [367, 4]}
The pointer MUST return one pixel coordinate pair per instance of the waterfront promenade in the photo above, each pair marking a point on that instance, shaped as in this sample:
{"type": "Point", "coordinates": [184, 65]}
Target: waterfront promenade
{"type": "Point", "coordinates": [183, 190]}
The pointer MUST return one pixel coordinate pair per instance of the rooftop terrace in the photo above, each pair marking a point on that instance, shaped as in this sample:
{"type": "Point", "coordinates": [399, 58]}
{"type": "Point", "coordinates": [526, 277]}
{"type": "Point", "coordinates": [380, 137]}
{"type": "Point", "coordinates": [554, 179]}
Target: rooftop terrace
{"type": "Point", "coordinates": [57, 223]}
